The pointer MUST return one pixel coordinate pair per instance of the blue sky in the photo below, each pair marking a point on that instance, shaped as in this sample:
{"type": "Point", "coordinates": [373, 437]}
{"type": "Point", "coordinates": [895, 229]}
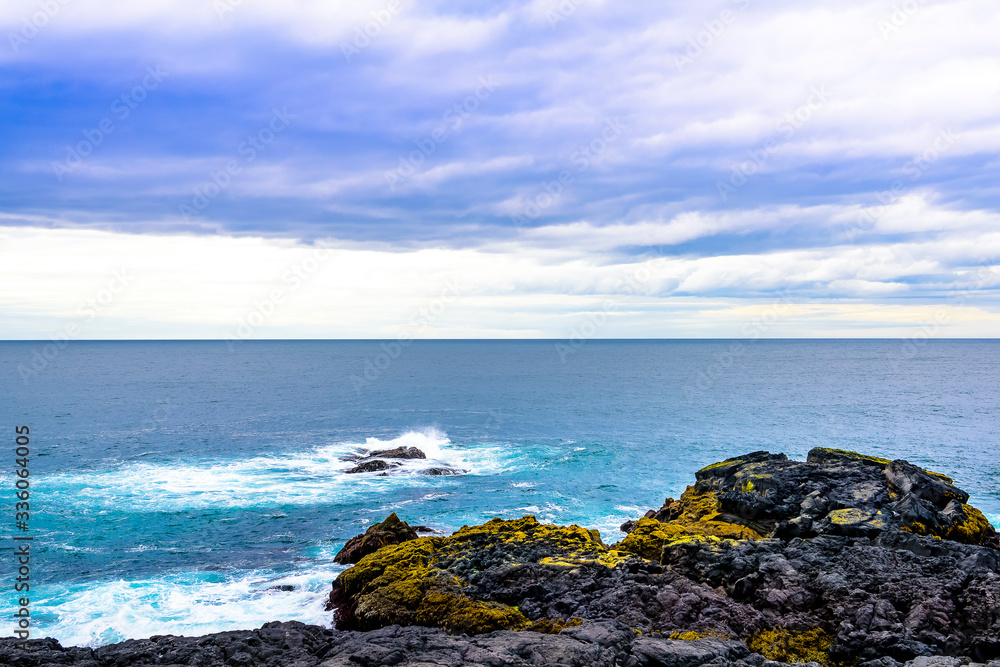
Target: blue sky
{"type": "Point", "coordinates": [837, 163]}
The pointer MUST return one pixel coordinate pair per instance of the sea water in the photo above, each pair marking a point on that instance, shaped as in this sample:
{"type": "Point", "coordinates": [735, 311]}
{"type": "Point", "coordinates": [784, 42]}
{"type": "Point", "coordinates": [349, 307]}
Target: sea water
{"type": "Point", "coordinates": [187, 487]}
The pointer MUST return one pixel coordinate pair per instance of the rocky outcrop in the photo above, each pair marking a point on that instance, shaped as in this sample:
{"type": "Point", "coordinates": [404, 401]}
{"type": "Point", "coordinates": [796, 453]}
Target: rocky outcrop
{"type": "Point", "coordinates": [375, 462]}
{"type": "Point", "coordinates": [375, 465]}
{"type": "Point", "coordinates": [399, 453]}
{"type": "Point", "coordinates": [840, 559]}
{"type": "Point", "coordinates": [390, 531]}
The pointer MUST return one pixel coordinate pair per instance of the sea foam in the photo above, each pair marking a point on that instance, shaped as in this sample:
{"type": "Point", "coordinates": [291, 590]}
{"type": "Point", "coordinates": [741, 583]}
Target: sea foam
{"type": "Point", "coordinates": [185, 603]}
{"type": "Point", "coordinates": [289, 478]}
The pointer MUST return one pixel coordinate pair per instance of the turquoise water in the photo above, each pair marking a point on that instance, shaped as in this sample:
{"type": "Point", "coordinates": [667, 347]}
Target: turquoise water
{"type": "Point", "coordinates": [175, 483]}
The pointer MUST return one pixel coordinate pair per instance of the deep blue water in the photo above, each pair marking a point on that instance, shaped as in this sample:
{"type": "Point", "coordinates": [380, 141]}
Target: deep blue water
{"type": "Point", "coordinates": [175, 482]}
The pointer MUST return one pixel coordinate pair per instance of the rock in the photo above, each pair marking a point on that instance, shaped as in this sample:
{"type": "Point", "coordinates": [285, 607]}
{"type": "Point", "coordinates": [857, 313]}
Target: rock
{"type": "Point", "coordinates": [605, 643]}
{"type": "Point", "coordinates": [442, 471]}
{"type": "Point", "coordinates": [427, 529]}
{"type": "Point", "coordinates": [398, 453]}
{"type": "Point", "coordinates": [839, 559]}
{"type": "Point", "coordinates": [371, 466]}
{"type": "Point", "coordinates": [843, 559]}
{"type": "Point", "coordinates": [390, 531]}
{"type": "Point", "coordinates": [284, 588]}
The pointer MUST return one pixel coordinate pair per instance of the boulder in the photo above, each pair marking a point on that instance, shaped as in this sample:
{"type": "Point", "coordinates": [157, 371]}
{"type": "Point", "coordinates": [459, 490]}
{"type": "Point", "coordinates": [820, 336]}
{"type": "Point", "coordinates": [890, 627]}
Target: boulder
{"type": "Point", "coordinates": [375, 465]}
{"type": "Point", "coordinates": [390, 531]}
{"type": "Point", "coordinates": [398, 453]}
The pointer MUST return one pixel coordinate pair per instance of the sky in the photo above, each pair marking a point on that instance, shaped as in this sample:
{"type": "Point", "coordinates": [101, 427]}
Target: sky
{"type": "Point", "coordinates": [566, 169]}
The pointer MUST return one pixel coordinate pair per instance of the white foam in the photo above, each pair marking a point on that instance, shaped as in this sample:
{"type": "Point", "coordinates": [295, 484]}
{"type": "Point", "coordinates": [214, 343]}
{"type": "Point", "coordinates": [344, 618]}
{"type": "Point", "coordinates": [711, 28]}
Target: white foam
{"type": "Point", "coordinates": [994, 519]}
{"type": "Point", "coordinates": [187, 603]}
{"type": "Point", "coordinates": [294, 478]}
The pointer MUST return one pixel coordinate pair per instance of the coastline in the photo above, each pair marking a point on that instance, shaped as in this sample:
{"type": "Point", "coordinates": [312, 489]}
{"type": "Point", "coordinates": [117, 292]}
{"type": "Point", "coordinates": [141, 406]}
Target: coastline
{"type": "Point", "coordinates": [841, 559]}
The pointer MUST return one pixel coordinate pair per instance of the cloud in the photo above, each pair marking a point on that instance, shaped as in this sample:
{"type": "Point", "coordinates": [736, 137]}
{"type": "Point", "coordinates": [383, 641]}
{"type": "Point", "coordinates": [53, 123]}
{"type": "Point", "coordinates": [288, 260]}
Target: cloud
{"type": "Point", "coordinates": [834, 154]}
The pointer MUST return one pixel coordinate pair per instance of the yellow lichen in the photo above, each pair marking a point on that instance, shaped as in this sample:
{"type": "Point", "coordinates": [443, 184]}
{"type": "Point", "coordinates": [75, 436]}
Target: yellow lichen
{"type": "Point", "coordinates": [877, 460]}
{"type": "Point", "coordinates": [691, 635]}
{"type": "Point", "coordinates": [412, 583]}
{"type": "Point", "coordinates": [791, 646]}
{"type": "Point", "coordinates": [974, 528]}
{"type": "Point", "coordinates": [697, 523]}
{"type": "Point", "coordinates": [550, 627]}
{"type": "Point", "coordinates": [849, 516]}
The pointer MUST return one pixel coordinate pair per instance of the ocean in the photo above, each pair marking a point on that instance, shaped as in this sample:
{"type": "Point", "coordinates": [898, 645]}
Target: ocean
{"type": "Point", "coordinates": [188, 487]}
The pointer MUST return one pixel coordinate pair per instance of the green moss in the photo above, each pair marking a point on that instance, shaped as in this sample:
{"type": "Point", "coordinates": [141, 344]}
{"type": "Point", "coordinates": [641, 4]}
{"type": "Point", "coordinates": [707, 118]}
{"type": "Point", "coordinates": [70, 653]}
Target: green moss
{"type": "Point", "coordinates": [790, 646]}
{"type": "Point", "coordinates": [412, 583]}
{"type": "Point", "coordinates": [972, 528]}
{"type": "Point", "coordinates": [460, 615]}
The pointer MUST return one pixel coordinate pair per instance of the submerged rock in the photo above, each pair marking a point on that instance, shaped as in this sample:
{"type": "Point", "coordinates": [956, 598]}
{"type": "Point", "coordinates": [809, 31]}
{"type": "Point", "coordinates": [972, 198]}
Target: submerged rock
{"type": "Point", "coordinates": [375, 465]}
{"type": "Point", "coordinates": [438, 472]}
{"type": "Point", "coordinates": [390, 531]}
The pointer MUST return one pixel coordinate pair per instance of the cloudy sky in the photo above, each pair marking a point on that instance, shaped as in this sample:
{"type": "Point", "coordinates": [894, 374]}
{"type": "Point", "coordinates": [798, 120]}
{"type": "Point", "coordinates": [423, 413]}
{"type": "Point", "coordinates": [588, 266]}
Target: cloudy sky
{"type": "Point", "coordinates": [370, 169]}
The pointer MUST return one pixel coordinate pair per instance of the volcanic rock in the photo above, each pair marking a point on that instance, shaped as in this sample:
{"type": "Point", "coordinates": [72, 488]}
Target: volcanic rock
{"type": "Point", "coordinates": [398, 453]}
{"type": "Point", "coordinates": [840, 559]}
{"type": "Point", "coordinates": [390, 531]}
{"type": "Point", "coordinates": [374, 465]}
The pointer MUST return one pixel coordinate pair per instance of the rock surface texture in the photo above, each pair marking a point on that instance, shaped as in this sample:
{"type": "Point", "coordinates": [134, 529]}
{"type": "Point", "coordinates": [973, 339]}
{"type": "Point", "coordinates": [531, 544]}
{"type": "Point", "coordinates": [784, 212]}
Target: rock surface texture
{"type": "Point", "coordinates": [843, 559]}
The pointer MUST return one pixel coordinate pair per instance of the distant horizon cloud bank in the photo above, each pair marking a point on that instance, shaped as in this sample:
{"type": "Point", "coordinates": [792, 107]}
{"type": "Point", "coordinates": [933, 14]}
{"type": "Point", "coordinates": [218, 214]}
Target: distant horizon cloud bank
{"type": "Point", "coordinates": [97, 284]}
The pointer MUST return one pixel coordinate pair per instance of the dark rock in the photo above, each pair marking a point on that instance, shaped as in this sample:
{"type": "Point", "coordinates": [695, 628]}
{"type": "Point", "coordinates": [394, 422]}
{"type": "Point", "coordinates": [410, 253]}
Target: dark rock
{"type": "Point", "coordinates": [398, 453]}
{"type": "Point", "coordinates": [442, 471]}
{"type": "Point", "coordinates": [292, 644]}
{"type": "Point", "coordinates": [390, 531]}
{"type": "Point", "coordinates": [281, 587]}
{"type": "Point", "coordinates": [842, 559]}
{"type": "Point", "coordinates": [427, 529]}
{"type": "Point", "coordinates": [371, 466]}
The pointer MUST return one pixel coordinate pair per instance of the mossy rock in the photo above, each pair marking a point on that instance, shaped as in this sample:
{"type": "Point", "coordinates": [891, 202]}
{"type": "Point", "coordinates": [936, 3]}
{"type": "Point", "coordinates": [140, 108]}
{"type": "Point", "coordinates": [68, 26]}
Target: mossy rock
{"type": "Point", "coordinates": [698, 520]}
{"type": "Point", "coordinates": [414, 583]}
{"type": "Point", "coordinates": [821, 455]}
{"type": "Point", "coordinates": [791, 646]}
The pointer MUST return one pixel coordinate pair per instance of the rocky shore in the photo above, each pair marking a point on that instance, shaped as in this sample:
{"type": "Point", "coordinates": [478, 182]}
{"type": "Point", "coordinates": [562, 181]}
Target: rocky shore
{"type": "Point", "coordinates": [842, 559]}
